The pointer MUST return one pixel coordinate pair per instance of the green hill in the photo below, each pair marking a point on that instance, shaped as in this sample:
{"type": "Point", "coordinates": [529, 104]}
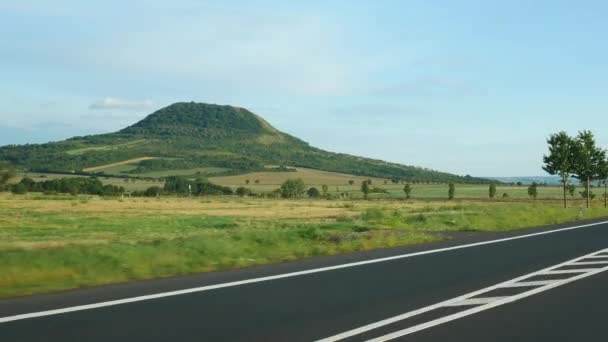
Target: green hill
{"type": "Point", "coordinates": [210, 139]}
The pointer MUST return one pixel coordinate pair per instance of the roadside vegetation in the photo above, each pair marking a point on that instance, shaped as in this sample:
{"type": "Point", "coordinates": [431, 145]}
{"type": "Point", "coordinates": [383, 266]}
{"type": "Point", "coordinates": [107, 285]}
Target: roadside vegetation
{"type": "Point", "coordinates": [57, 242]}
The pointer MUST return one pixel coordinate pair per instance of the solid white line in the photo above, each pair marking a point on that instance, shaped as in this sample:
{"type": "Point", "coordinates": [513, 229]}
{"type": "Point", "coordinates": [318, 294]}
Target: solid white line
{"type": "Point", "coordinates": [590, 263]}
{"type": "Point", "coordinates": [476, 301]}
{"type": "Point", "coordinates": [580, 270]}
{"type": "Point", "coordinates": [597, 257]}
{"type": "Point", "coordinates": [531, 283]}
{"type": "Point", "coordinates": [469, 312]}
{"type": "Point", "coordinates": [282, 276]}
{"type": "Point", "coordinates": [406, 315]}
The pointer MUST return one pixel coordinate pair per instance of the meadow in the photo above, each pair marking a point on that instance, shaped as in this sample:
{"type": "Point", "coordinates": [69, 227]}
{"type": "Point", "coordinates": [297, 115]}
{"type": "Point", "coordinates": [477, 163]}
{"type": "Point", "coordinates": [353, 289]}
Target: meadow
{"type": "Point", "coordinates": [51, 243]}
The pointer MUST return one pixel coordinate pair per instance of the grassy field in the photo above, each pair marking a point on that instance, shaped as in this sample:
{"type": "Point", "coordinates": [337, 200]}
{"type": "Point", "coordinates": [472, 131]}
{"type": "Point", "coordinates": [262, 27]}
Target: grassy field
{"type": "Point", "coordinates": [50, 243]}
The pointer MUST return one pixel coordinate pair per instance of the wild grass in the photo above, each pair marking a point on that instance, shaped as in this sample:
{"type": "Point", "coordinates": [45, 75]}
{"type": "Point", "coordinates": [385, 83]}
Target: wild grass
{"type": "Point", "coordinates": [50, 243]}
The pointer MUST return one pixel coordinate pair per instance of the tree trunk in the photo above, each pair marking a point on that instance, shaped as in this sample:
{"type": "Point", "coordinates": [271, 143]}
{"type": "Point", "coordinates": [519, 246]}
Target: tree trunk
{"type": "Point", "coordinates": [565, 203]}
{"type": "Point", "coordinates": [588, 190]}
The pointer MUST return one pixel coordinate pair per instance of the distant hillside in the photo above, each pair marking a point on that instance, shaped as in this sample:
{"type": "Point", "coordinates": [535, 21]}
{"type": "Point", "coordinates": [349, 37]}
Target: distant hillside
{"type": "Point", "coordinates": [210, 139]}
{"type": "Point", "coordinates": [549, 180]}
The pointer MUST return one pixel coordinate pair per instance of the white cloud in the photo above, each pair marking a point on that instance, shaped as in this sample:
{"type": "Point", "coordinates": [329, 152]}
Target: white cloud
{"type": "Point", "coordinates": [122, 104]}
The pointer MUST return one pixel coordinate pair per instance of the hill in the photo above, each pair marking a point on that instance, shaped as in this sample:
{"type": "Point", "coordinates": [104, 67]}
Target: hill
{"type": "Point", "coordinates": [196, 138]}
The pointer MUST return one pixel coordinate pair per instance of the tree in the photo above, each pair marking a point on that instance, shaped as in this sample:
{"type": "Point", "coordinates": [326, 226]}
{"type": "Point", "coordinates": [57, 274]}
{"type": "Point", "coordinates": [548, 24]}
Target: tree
{"type": "Point", "coordinates": [153, 191]}
{"type": "Point", "coordinates": [257, 181]}
{"type": "Point", "coordinates": [19, 189]}
{"type": "Point", "coordinates": [293, 188]}
{"type": "Point", "coordinates": [247, 181]}
{"type": "Point", "coordinates": [589, 161]}
{"type": "Point", "coordinates": [532, 190]}
{"type": "Point", "coordinates": [351, 182]}
{"type": "Point", "coordinates": [6, 173]}
{"type": "Point", "coordinates": [365, 188]}
{"type": "Point", "coordinates": [408, 190]}
{"type": "Point", "coordinates": [492, 190]}
{"type": "Point", "coordinates": [324, 190]}
{"type": "Point", "coordinates": [313, 192]}
{"type": "Point", "coordinates": [571, 189]}
{"type": "Point", "coordinates": [451, 191]}
{"type": "Point", "coordinates": [242, 191]}
{"type": "Point", "coordinates": [561, 158]}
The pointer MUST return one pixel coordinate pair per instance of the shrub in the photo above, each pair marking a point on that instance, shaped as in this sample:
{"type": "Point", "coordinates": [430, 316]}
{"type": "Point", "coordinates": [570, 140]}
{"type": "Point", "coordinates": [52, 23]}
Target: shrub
{"type": "Point", "coordinates": [19, 189]}
{"type": "Point", "coordinates": [313, 192]}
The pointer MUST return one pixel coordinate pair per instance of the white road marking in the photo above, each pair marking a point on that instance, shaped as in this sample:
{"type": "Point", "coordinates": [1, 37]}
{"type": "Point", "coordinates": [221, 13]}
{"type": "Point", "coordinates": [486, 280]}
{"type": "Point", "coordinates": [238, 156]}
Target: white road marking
{"type": "Point", "coordinates": [591, 263]}
{"type": "Point", "coordinates": [579, 270]}
{"type": "Point", "coordinates": [476, 301]}
{"type": "Point", "coordinates": [451, 302]}
{"type": "Point", "coordinates": [531, 283]}
{"type": "Point", "coordinates": [598, 256]}
{"type": "Point", "coordinates": [281, 276]}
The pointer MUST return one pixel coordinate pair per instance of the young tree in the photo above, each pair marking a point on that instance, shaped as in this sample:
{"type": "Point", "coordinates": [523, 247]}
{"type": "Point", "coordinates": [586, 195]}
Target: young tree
{"type": "Point", "coordinates": [571, 189]}
{"type": "Point", "coordinates": [247, 181]}
{"type": "Point", "coordinates": [451, 191]}
{"type": "Point", "coordinates": [560, 160]}
{"type": "Point", "coordinates": [293, 188]}
{"type": "Point", "coordinates": [351, 182]}
{"type": "Point", "coordinates": [589, 161]}
{"type": "Point", "coordinates": [257, 181]}
{"type": "Point", "coordinates": [408, 190]}
{"type": "Point", "coordinates": [532, 190]}
{"type": "Point", "coordinates": [365, 189]}
{"type": "Point", "coordinates": [324, 190]}
{"type": "Point", "coordinates": [492, 190]}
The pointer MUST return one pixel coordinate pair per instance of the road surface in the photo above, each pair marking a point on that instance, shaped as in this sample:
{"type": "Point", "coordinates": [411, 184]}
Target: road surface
{"type": "Point", "coordinates": [533, 285]}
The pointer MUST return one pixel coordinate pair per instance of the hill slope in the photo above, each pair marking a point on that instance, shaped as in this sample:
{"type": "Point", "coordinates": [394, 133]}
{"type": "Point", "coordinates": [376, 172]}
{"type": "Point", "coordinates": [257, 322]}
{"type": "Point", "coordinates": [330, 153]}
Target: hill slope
{"type": "Point", "coordinates": [186, 136]}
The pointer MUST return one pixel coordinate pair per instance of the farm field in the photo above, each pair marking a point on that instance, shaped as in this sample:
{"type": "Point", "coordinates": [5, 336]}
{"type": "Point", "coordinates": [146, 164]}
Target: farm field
{"type": "Point", "coordinates": [50, 243]}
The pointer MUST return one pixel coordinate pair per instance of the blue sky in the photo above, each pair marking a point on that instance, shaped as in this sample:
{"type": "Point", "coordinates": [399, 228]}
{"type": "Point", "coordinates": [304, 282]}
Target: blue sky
{"type": "Point", "coordinates": [469, 87]}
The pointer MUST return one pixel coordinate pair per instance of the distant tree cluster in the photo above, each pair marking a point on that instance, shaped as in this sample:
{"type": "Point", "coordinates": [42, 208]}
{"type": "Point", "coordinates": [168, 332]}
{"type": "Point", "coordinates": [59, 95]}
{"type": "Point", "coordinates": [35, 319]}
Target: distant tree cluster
{"type": "Point", "coordinates": [200, 187]}
{"type": "Point", "coordinates": [73, 186]}
{"type": "Point", "coordinates": [577, 157]}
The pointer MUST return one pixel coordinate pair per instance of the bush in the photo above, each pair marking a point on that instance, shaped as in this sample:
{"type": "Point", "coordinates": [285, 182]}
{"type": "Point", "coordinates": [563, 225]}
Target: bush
{"type": "Point", "coordinates": [293, 188]}
{"type": "Point", "coordinates": [373, 214]}
{"type": "Point", "coordinates": [19, 189]}
{"type": "Point", "coordinates": [152, 191]}
{"type": "Point", "coordinates": [243, 191]}
{"type": "Point", "coordinates": [313, 192]}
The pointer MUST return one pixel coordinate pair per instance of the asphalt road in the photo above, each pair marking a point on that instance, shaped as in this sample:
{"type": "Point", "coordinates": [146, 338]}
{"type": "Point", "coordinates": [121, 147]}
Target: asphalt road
{"type": "Point", "coordinates": [318, 305]}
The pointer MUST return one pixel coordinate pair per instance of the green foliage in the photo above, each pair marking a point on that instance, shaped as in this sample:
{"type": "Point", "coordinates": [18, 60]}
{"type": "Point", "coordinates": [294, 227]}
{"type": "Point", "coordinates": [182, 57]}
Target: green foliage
{"type": "Point", "coordinates": [201, 187]}
{"type": "Point", "coordinates": [492, 190]}
{"type": "Point", "coordinates": [365, 189]}
{"type": "Point", "coordinates": [6, 173]}
{"type": "Point", "coordinates": [533, 190]}
{"type": "Point", "coordinates": [451, 191]}
{"type": "Point", "coordinates": [324, 190]}
{"type": "Point", "coordinates": [313, 192]}
{"type": "Point", "coordinates": [73, 186]}
{"type": "Point", "coordinates": [153, 191]}
{"type": "Point", "coordinates": [243, 191]}
{"type": "Point", "coordinates": [19, 189]}
{"type": "Point", "coordinates": [571, 189]}
{"type": "Point", "coordinates": [407, 189]}
{"type": "Point", "coordinates": [293, 188]}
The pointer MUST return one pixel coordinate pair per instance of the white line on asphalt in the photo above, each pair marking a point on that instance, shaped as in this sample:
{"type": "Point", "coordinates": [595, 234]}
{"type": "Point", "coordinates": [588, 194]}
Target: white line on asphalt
{"type": "Point", "coordinates": [591, 263]}
{"type": "Point", "coordinates": [578, 270]}
{"type": "Point", "coordinates": [450, 302]}
{"type": "Point", "coordinates": [476, 301]}
{"type": "Point", "coordinates": [531, 283]}
{"type": "Point", "coordinates": [280, 276]}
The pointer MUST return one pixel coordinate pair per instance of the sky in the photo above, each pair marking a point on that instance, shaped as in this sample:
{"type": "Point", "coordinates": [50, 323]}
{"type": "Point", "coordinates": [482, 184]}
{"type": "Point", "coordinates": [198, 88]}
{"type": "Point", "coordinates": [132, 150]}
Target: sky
{"type": "Point", "coordinates": [468, 87]}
